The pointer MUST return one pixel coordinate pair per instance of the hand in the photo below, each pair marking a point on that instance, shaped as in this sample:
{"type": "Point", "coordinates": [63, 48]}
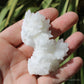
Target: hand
{"type": "Point", "coordinates": [14, 54]}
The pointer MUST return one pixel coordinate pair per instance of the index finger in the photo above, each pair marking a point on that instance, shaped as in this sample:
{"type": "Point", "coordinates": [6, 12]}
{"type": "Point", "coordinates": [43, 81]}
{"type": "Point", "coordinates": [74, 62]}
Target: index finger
{"type": "Point", "coordinates": [12, 33]}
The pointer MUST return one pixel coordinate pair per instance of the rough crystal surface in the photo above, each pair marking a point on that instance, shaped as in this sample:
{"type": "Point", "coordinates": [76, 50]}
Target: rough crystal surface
{"type": "Point", "coordinates": [47, 53]}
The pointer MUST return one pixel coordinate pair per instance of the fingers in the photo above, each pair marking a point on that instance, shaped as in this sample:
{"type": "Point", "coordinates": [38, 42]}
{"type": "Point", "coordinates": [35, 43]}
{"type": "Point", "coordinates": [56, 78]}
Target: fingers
{"type": "Point", "coordinates": [50, 13]}
{"type": "Point", "coordinates": [12, 33]}
{"type": "Point", "coordinates": [74, 41]}
{"type": "Point", "coordinates": [69, 69]}
{"type": "Point", "coordinates": [63, 73]}
{"type": "Point", "coordinates": [63, 23]}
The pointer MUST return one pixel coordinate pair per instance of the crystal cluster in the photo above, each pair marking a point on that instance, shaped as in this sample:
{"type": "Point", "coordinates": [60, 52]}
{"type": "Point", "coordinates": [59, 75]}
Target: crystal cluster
{"type": "Point", "coordinates": [47, 53]}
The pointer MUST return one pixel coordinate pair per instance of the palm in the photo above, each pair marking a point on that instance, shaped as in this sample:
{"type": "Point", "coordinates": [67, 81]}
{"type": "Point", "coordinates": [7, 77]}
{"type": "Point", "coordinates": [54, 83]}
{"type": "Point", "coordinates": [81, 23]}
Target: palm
{"type": "Point", "coordinates": [15, 70]}
{"type": "Point", "coordinates": [14, 54]}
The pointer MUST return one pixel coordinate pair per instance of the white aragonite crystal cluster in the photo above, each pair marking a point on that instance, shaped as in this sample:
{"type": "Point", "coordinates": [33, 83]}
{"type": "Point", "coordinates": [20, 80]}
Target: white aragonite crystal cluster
{"type": "Point", "coordinates": [47, 53]}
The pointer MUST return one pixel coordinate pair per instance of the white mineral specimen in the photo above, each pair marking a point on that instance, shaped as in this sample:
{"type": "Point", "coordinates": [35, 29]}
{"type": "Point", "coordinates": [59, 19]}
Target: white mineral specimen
{"type": "Point", "coordinates": [47, 53]}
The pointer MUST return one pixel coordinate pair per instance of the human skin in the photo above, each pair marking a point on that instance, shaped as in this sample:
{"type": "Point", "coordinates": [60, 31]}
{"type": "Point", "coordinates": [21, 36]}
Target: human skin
{"type": "Point", "coordinates": [14, 54]}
